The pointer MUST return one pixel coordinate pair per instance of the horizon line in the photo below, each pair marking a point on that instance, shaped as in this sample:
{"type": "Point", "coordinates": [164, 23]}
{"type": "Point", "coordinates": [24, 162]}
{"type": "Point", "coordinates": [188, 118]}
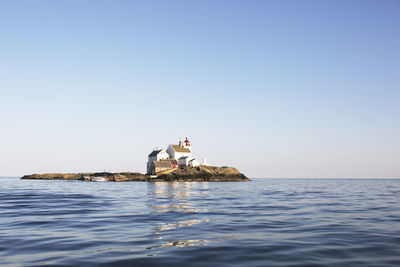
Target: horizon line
{"type": "Point", "coordinates": [19, 176]}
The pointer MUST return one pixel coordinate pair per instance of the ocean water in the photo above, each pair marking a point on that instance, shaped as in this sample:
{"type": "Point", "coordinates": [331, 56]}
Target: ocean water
{"type": "Point", "coordinates": [265, 222]}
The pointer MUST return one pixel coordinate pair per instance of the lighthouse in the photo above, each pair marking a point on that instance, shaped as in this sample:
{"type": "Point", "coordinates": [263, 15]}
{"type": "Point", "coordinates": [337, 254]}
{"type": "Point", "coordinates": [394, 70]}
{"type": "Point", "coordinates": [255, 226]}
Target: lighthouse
{"type": "Point", "coordinates": [186, 144]}
{"type": "Point", "coordinates": [175, 155]}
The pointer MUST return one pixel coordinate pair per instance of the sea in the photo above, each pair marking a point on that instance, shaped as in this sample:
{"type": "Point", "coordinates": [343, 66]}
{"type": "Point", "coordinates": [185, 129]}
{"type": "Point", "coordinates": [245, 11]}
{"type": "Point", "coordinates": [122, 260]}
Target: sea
{"type": "Point", "coordinates": [264, 222]}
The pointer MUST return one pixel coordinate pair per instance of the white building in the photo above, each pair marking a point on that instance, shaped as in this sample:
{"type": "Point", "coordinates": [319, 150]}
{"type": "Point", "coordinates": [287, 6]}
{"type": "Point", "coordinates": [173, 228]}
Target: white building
{"type": "Point", "coordinates": [183, 149]}
{"type": "Point", "coordinates": [156, 155]}
{"type": "Point", "coordinates": [188, 161]}
{"type": "Point", "coordinates": [179, 155]}
{"type": "Point", "coordinates": [184, 161]}
{"type": "Point", "coordinates": [194, 163]}
{"type": "Point", "coordinates": [204, 162]}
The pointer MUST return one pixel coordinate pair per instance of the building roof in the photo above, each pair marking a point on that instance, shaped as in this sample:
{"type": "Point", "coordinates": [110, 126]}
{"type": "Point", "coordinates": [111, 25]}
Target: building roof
{"type": "Point", "coordinates": [162, 164]}
{"type": "Point", "coordinates": [178, 148]}
{"type": "Point", "coordinates": [184, 157]}
{"type": "Point", "coordinates": [173, 161]}
{"type": "Point", "coordinates": [155, 153]}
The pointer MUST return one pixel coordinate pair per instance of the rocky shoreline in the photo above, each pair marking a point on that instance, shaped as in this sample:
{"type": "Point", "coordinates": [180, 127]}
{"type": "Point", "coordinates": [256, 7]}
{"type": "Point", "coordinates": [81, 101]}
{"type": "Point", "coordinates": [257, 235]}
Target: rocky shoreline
{"type": "Point", "coordinates": [201, 173]}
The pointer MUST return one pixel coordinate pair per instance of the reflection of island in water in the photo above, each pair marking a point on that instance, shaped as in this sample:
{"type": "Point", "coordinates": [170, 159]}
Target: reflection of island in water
{"type": "Point", "coordinates": [170, 202]}
{"type": "Point", "coordinates": [173, 197]}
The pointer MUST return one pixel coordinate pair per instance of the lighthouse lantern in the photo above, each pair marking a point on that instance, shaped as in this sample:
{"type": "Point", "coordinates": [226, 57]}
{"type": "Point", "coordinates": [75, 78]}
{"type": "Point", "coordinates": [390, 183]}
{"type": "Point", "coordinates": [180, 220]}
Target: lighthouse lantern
{"type": "Point", "coordinates": [187, 142]}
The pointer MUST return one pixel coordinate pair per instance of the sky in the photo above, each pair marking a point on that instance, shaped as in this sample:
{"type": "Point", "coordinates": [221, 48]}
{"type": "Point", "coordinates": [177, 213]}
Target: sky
{"type": "Point", "coordinates": [278, 89]}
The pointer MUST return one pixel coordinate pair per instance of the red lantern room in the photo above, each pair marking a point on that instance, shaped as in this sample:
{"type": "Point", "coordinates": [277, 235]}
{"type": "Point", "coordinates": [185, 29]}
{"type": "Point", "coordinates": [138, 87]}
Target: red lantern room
{"type": "Point", "coordinates": [187, 143]}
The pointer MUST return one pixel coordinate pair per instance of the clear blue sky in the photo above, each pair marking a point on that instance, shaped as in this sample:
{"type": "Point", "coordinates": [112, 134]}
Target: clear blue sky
{"type": "Point", "coordinates": [275, 88]}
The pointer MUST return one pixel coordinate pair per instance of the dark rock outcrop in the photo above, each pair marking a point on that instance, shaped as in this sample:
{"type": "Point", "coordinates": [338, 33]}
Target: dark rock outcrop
{"type": "Point", "coordinates": [201, 173]}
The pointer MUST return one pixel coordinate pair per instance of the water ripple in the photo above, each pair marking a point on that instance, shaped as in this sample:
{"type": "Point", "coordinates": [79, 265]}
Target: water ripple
{"type": "Point", "coordinates": [289, 222]}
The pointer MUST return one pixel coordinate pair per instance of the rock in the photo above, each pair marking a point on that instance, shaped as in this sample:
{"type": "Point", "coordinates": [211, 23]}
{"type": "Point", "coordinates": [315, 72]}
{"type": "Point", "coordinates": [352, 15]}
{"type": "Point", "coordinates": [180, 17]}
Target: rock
{"type": "Point", "coordinates": [201, 173]}
{"type": "Point", "coordinates": [100, 176]}
{"type": "Point", "coordinates": [204, 173]}
{"type": "Point", "coordinates": [58, 176]}
{"type": "Point", "coordinates": [130, 176]}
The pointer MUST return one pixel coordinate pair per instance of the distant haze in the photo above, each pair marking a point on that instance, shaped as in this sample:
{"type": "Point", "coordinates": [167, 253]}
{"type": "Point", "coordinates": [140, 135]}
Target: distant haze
{"type": "Point", "coordinates": [274, 88]}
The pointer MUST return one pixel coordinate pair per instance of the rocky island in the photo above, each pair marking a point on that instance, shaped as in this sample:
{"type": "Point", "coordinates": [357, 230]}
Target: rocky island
{"type": "Point", "coordinates": [184, 173]}
{"type": "Point", "coordinates": [176, 163]}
